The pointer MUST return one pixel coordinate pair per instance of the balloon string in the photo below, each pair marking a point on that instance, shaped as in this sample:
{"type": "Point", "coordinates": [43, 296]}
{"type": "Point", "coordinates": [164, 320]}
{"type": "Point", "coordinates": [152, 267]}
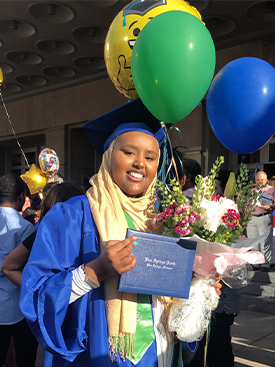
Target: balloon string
{"type": "Point", "coordinates": [176, 128]}
{"type": "Point", "coordinates": [256, 168]}
{"type": "Point", "coordinates": [170, 150]}
{"type": "Point", "coordinates": [166, 162]}
{"type": "Point", "coordinates": [175, 153]}
{"type": "Point", "coordinates": [14, 131]}
{"type": "Point", "coordinates": [172, 162]}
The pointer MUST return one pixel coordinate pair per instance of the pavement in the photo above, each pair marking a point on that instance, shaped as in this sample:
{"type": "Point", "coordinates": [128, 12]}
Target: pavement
{"type": "Point", "coordinates": [39, 357]}
{"type": "Point", "coordinates": [253, 340]}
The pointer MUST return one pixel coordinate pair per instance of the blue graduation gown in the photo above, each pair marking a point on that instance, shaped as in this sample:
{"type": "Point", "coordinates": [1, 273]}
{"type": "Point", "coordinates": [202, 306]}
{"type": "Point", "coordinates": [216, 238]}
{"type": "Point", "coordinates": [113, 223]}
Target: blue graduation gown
{"type": "Point", "coordinates": [75, 334]}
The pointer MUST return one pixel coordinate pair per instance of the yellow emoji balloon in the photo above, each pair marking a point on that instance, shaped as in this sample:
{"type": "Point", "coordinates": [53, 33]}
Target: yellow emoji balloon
{"type": "Point", "coordinates": [35, 179]}
{"type": "Point", "coordinates": [1, 78]}
{"type": "Point", "coordinates": [123, 33]}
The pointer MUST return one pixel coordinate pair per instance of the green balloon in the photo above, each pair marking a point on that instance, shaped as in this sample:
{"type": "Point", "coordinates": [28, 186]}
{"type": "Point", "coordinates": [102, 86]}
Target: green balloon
{"type": "Point", "coordinates": [173, 63]}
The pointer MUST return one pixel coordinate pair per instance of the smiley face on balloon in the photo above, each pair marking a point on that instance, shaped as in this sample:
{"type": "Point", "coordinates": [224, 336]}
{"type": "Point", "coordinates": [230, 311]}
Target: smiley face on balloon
{"type": "Point", "coordinates": [123, 33]}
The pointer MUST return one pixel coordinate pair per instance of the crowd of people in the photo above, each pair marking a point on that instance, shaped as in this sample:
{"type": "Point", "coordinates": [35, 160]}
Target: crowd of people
{"type": "Point", "coordinates": [14, 230]}
{"type": "Point", "coordinates": [19, 346]}
{"type": "Point", "coordinates": [61, 260]}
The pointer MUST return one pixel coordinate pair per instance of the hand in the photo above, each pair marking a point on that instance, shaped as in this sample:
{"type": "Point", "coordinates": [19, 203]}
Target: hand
{"type": "Point", "coordinates": [215, 282]}
{"type": "Point", "coordinates": [265, 206]}
{"type": "Point", "coordinates": [124, 76]}
{"type": "Point", "coordinates": [115, 259]}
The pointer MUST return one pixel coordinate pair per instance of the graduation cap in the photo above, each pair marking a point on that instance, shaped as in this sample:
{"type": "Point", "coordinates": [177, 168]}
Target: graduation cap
{"type": "Point", "coordinates": [132, 116]}
{"type": "Point", "coordinates": [142, 7]}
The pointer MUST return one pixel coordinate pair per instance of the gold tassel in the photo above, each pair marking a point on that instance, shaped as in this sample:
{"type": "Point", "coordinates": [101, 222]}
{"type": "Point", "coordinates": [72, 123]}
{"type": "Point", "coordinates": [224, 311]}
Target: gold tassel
{"type": "Point", "coordinates": [167, 303]}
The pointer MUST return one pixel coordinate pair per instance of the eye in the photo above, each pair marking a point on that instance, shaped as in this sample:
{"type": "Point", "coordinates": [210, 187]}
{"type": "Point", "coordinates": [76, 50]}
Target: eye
{"type": "Point", "coordinates": [149, 158]}
{"type": "Point", "coordinates": [136, 32]}
{"type": "Point", "coordinates": [128, 152]}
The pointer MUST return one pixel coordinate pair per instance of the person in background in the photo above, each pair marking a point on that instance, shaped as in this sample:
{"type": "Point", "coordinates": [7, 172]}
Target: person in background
{"type": "Point", "coordinates": [272, 181]}
{"type": "Point", "coordinates": [220, 351]}
{"type": "Point", "coordinates": [36, 200]}
{"type": "Point", "coordinates": [13, 265]}
{"type": "Point", "coordinates": [27, 202]}
{"type": "Point", "coordinates": [187, 169]}
{"type": "Point", "coordinates": [221, 181]}
{"type": "Point", "coordinates": [14, 230]}
{"type": "Point", "coordinates": [31, 214]}
{"type": "Point", "coordinates": [47, 188]}
{"type": "Point", "coordinates": [272, 261]}
{"type": "Point", "coordinates": [262, 219]}
{"type": "Point", "coordinates": [216, 343]}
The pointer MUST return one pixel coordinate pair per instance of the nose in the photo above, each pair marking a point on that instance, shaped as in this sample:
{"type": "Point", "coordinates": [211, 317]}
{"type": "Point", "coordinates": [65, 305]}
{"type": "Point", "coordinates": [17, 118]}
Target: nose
{"type": "Point", "coordinates": [139, 162]}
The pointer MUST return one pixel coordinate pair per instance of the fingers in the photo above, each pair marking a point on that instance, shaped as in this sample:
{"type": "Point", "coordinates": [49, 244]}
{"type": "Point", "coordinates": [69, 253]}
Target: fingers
{"type": "Point", "coordinates": [118, 255]}
{"type": "Point", "coordinates": [127, 264]}
{"type": "Point", "coordinates": [215, 282]}
{"type": "Point", "coordinates": [125, 261]}
{"type": "Point", "coordinates": [121, 249]}
{"type": "Point", "coordinates": [117, 246]}
{"type": "Point", "coordinates": [217, 287]}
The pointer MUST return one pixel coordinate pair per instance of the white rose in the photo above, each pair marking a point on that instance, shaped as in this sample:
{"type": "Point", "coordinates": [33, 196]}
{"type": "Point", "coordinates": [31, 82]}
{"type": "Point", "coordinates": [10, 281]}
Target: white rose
{"type": "Point", "coordinates": [212, 212]}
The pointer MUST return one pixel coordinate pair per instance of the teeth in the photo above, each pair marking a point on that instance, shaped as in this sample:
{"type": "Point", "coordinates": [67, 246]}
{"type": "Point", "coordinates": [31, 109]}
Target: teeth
{"type": "Point", "coordinates": [131, 43]}
{"type": "Point", "coordinates": [135, 174]}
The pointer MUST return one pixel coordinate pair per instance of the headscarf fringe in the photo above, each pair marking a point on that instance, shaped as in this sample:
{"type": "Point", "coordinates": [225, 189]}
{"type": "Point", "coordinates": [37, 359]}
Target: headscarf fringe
{"type": "Point", "coordinates": [122, 347]}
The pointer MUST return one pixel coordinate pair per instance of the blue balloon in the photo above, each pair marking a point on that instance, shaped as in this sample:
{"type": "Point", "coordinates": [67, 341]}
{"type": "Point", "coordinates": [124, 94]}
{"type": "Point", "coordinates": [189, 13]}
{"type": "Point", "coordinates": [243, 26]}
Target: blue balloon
{"type": "Point", "coordinates": [241, 104]}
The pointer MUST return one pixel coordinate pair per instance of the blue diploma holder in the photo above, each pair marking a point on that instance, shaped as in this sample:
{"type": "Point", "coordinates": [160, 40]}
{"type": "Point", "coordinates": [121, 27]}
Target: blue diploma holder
{"type": "Point", "coordinates": [164, 265]}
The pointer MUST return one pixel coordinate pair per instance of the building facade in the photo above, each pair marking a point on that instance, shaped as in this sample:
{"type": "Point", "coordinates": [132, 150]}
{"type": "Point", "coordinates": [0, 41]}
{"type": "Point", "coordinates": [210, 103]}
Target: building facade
{"type": "Point", "coordinates": [54, 120]}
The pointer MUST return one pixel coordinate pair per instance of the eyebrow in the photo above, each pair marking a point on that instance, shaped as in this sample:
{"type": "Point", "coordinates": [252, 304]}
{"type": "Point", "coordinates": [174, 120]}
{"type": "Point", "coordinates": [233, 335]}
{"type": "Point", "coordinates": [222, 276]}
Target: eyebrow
{"type": "Point", "coordinates": [131, 25]}
{"type": "Point", "coordinates": [148, 151]}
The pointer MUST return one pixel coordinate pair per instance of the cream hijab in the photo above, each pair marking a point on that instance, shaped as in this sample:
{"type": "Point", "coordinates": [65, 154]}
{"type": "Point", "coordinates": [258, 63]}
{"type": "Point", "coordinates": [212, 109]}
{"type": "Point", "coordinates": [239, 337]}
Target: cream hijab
{"type": "Point", "coordinates": [107, 203]}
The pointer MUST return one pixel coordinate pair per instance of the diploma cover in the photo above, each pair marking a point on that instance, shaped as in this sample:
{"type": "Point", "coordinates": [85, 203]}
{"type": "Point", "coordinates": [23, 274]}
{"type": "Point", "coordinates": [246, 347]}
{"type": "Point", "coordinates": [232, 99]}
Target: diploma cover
{"type": "Point", "coordinates": [164, 265]}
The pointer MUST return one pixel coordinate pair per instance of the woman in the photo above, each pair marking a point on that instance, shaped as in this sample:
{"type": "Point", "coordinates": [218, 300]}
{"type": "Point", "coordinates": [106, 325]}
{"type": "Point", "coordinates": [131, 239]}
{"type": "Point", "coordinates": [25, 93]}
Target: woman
{"type": "Point", "coordinates": [17, 259]}
{"type": "Point", "coordinates": [69, 294]}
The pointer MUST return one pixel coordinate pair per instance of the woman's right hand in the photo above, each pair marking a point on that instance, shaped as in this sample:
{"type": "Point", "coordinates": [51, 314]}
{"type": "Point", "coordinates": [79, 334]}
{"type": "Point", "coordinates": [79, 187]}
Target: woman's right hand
{"type": "Point", "coordinates": [115, 259]}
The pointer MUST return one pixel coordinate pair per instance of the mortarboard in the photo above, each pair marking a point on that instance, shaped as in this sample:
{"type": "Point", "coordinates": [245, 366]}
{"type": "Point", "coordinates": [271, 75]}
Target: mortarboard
{"type": "Point", "coordinates": [132, 116]}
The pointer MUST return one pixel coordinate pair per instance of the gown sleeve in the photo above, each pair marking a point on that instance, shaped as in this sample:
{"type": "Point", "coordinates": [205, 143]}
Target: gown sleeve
{"type": "Point", "coordinates": [67, 237]}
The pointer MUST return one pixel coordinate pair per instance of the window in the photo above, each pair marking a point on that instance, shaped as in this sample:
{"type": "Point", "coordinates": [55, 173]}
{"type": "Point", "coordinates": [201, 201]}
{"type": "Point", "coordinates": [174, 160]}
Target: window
{"type": "Point", "coordinates": [249, 158]}
{"type": "Point", "coordinates": [17, 161]}
{"type": "Point", "coordinates": [271, 152]}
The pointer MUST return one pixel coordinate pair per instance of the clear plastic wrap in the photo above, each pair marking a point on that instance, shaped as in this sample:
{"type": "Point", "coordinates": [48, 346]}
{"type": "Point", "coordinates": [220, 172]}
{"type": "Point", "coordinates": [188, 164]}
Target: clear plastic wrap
{"type": "Point", "coordinates": [189, 317]}
{"type": "Point", "coordinates": [237, 276]}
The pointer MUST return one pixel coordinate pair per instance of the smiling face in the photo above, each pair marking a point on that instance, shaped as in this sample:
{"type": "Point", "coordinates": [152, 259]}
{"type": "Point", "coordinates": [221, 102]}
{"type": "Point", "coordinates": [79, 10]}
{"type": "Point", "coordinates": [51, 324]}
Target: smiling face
{"type": "Point", "coordinates": [134, 162]}
{"type": "Point", "coordinates": [123, 33]}
{"type": "Point", "coordinates": [261, 179]}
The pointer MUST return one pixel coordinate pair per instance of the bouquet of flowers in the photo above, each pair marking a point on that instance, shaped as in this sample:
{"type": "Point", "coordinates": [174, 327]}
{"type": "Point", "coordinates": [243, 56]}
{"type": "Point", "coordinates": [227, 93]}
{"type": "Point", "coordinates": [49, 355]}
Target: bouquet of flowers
{"type": "Point", "coordinates": [210, 216]}
{"type": "Point", "coordinates": [217, 224]}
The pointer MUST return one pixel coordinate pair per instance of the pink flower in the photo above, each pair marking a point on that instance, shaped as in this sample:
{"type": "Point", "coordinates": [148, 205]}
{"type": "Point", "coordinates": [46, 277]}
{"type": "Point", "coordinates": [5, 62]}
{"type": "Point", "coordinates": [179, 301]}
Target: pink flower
{"type": "Point", "coordinates": [182, 231]}
{"type": "Point", "coordinates": [215, 197]}
{"type": "Point", "coordinates": [169, 211]}
{"type": "Point", "coordinates": [158, 218]}
{"type": "Point", "coordinates": [181, 209]}
{"type": "Point", "coordinates": [231, 218]}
